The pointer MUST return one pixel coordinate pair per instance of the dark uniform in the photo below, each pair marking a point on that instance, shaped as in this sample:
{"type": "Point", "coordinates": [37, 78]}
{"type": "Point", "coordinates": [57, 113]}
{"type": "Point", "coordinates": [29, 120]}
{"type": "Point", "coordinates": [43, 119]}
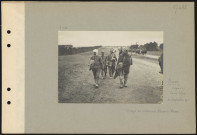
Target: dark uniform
{"type": "Point", "coordinates": [96, 67]}
{"type": "Point", "coordinates": [104, 63]}
{"type": "Point", "coordinates": [161, 62]}
{"type": "Point", "coordinates": [111, 62]}
{"type": "Point", "coordinates": [123, 67]}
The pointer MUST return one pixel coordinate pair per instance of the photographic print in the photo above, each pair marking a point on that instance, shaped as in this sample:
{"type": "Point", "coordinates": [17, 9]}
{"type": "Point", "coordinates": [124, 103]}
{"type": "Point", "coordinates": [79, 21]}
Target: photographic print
{"type": "Point", "coordinates": [98, 67]}
{"type": "Point", "coordinates": [110, 67]}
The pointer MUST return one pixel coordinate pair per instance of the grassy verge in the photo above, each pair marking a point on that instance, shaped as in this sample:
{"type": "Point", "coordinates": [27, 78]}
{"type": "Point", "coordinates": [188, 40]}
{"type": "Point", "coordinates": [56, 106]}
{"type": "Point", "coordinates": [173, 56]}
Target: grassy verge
{"type": "Point", "coordinates": [157, 53]}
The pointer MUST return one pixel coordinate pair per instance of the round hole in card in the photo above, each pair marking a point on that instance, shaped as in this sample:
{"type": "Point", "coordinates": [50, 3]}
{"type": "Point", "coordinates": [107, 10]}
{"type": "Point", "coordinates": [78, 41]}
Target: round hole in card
{"type": "Point", "coordinates": [8, 45]}
{"type": "Point", "coordinates": [9, 102]}
{"type": "Point", "coordinates": [8, 89]}
{"type": "Point", "coordinates": [8, 31]}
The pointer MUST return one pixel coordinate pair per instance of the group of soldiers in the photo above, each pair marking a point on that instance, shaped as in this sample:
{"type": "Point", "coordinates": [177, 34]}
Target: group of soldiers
{"type": "Point", "coordinates": [116, 67]}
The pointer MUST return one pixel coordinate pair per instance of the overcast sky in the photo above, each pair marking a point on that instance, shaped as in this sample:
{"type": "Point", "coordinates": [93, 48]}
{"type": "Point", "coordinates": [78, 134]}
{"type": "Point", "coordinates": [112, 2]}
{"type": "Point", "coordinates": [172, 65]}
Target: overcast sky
{"type": "Point", "coordinates": [108, 38]}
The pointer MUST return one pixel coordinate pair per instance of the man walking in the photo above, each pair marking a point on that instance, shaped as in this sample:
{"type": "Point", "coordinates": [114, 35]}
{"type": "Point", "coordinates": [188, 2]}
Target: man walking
{"type": "Point", "coordinates": [123, 67]}
{"type": "Point", "coordinates": [104, 63]}
{"type": "Point", "coordinates": [111, 62]}
{"type": "Point", "coordinates": [161, 62]}
{"type": "Point", "coordinates": [96, 66]}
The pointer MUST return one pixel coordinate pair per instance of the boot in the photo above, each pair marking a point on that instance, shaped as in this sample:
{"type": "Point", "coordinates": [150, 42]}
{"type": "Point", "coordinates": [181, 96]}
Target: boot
{"type": "Point", "coordinates": [121, 83]}
{"type": "Point", "coordinates": [96, 84]}
{"type": "Point", "coordinates": [125, 84]}
{"type": "Point", "coordinates": [121, 86]}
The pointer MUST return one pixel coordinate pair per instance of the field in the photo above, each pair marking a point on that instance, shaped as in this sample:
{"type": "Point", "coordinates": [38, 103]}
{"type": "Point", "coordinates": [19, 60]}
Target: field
{"type": "Point", "coordinates": [75, 83]}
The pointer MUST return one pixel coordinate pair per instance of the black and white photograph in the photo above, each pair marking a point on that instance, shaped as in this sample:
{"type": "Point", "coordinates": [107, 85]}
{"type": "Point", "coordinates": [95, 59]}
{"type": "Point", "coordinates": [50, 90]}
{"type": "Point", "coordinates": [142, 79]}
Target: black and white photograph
{"type": "Point", "coordinates": [98, 67]}
{"type": "Point", "coordinates": [110, 67]}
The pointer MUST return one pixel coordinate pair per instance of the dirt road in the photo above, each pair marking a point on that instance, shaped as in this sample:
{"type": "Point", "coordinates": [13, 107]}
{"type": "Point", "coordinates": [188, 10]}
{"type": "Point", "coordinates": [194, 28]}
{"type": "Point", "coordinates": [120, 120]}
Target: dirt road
{"type": "Point", "coordinates": [76, 82]}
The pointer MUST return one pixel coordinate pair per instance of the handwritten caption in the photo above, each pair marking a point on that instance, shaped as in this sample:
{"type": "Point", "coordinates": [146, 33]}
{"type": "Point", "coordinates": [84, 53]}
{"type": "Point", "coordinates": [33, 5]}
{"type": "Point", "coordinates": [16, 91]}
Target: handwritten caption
{"type": "Point", "coordinates": [179, 7]}
{"type": "Point", "coordinates": [176, 92]}
{"type": "Point", "coordinates": [63, 28]}
{"type": "Point", "coordinates": [152, 111]}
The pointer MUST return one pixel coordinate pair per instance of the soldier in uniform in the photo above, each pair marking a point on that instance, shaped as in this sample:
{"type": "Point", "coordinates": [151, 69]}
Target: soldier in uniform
{"type": "Point", "coordinates": [120, 50]}
{"type": "Point", "coordinates": [123, 67]}
{"type": "Point", "coordinates": [161, 62]}
{"type": "Point", "coordinates": [104, 63]}
{"type": "Point", "coordinates": [96, 66]}
{"type": "Point", "coordinates": [111, 62]}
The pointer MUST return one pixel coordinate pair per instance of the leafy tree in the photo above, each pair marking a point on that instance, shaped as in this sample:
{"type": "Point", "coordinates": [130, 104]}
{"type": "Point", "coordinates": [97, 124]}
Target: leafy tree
{"type": "Point", "coordinates": [152, 46]}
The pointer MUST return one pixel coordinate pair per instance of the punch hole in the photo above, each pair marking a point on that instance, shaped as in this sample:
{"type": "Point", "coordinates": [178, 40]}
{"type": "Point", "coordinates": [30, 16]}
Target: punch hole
{"type": "Point", "coordinates": [8, 31]}
{"type": "Point", "coordinates": [8, 45]}
{"type": "Point", "coordinates": [9, 102]}
{"type": "Point", "coordinates": [8, 89]}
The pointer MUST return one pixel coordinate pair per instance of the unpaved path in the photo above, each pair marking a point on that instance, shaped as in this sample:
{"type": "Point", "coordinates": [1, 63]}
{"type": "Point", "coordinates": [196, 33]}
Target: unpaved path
{"type": "Point", "coordinates": [76, 82]}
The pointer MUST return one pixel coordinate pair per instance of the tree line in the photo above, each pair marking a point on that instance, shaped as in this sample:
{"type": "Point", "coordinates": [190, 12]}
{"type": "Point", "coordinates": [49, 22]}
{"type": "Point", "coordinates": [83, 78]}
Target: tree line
{"type": "Point", "coordinates": [152, 46]}
{"type": "Point", "coordinates": [69, 49]}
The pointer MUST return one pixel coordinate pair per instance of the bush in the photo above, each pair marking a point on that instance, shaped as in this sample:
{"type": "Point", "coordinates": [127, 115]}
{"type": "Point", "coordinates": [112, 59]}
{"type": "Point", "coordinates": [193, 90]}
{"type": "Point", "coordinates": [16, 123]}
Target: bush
{"type": "Point", "coordinates": [69, 49]}
{"type": "Point", "coordinates": [152, 46]}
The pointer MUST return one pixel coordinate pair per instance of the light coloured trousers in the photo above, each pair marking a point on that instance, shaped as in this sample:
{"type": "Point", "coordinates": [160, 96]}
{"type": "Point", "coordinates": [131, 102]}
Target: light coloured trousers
{"type": "Point", "coordinates": [123, 77]}
{"type": "Point", "coordinates": [96, 73]}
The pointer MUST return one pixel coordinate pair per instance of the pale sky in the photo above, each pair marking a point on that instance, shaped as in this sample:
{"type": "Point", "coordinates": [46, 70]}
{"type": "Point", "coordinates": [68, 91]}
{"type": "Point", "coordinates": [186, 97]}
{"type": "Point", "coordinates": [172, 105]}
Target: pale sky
{"type": "Point", "coordinates": [108, 38]}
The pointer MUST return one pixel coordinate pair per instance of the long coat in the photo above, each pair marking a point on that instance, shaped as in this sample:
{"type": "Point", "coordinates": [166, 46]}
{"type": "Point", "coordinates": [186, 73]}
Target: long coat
{"type": "Point", "coordinates": [123, 64]}
{"type": "Point", "coordinates": [126, 61]}
{"type": "Point", "coordinates": [111, 59]}
{"type": "Point", "coordinates": [97, 64]}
